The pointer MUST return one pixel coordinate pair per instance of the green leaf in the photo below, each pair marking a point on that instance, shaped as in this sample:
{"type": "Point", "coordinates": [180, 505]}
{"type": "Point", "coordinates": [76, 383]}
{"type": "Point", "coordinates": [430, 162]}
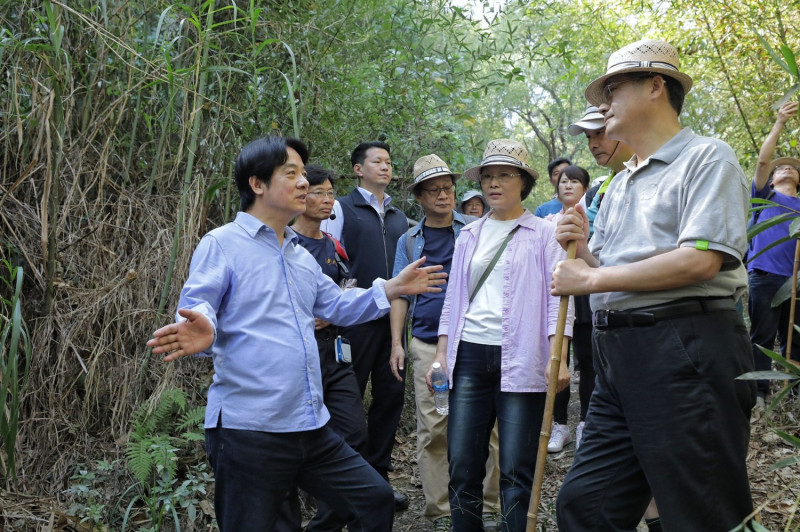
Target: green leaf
{"type": "Point", "coordinates": [792, 440]}
{"type": "Point", "coordinates": [786, 97]}
{"type": "Point", "coordinates": [770, 51]}
{"type": "Point", "coordinates": [771, 375]}
{"type": "Point", "coordinates": [785, 364]}
{"type": "Point", "coordinates": [790, 460]}
{"type": "Point", "coordinates": [788, 55]}
{"type": "Point", "coordinates": [782, 294]}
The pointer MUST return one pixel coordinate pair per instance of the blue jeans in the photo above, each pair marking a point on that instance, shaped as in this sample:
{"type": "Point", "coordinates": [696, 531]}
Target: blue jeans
{"type": "Point", "coordinates": [253, 470]}
{"type": "Point", "coordinates": [475, 402]}
{"type": "Point", "coordinates": [766, 322]}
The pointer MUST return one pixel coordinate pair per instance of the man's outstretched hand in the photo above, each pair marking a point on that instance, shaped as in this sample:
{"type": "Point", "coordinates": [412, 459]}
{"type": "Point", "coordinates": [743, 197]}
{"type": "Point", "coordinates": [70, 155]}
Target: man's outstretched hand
{"type": "Point", "coordinates": [191, 336]}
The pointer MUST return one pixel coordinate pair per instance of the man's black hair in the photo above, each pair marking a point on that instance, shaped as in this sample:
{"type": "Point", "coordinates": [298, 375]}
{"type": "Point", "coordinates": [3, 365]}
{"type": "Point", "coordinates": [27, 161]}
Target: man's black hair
{"type": "Point", "coordinates": [360, 153]}
{"type": "Point", "coordinates": [260, 158]}
{"type": "Point", "coordinates": [317, 175]}
{"type": "Point", "coordinates": [554, 163]}
{"type": "Point", "coordinates": [675, 92]}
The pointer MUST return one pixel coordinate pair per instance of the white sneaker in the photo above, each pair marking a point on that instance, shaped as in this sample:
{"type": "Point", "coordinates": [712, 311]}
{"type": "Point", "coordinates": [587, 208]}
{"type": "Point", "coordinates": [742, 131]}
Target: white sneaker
{"type": "Point", "coordinates": [579, 434]}
{"type": "Point", "coordinates": [559, 437]}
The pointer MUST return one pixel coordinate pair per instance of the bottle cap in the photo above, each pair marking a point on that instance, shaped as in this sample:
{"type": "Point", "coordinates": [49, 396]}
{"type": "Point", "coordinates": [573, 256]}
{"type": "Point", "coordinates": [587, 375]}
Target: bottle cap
{"type": "Point", "coordinates": [436, 365]}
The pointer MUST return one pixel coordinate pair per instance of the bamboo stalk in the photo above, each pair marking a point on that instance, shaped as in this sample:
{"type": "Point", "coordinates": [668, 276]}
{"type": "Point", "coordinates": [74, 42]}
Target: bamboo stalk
{"type": "Point", "coordinates": [793, 303]}
{"type": "Point", "coordinates": [197, 115]}
{"type": "Point", "coordinates": [547, 420]}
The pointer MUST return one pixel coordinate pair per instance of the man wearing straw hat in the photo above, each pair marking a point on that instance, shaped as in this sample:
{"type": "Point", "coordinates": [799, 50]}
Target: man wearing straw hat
{"type": "Point", "coordinates": [434, 237]}
{"type": "Point", "coordinates": [667, 418]}
{"type": "Point", "coordinates": [776, 181]}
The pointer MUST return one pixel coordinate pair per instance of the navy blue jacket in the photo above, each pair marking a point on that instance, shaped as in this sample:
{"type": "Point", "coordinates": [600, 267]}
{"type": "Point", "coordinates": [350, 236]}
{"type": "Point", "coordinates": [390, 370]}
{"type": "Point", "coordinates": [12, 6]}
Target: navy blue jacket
{"type": "Point", "coordinates": [370, 242]}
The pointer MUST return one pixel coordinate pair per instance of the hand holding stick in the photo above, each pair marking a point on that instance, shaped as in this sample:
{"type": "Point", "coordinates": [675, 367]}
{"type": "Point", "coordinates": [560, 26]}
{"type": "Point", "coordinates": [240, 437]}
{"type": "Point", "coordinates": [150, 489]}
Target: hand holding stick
{"type": "Point", "coordinates": [547, 420]}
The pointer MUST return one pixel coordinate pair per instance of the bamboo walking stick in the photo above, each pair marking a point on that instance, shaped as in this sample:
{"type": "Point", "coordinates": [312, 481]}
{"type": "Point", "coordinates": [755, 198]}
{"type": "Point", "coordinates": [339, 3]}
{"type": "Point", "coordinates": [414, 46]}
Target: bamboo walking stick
{"type": "Point", "coordinates": [793, 304]}
{"type": "Point", "coordinates": [547, 420]}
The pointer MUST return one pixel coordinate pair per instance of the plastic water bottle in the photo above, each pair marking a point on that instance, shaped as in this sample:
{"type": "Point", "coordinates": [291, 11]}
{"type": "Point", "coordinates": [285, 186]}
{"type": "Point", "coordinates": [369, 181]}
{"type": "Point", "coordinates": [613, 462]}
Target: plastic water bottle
{"type": "Point", "coordinates": [441, 389]}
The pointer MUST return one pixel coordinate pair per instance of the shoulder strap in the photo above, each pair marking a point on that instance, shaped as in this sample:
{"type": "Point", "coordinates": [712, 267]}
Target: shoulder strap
{"type": "Point", "coordinates": [340, 256]}
{"type": "Point", "coordinates": [492, 264]}
{"type": "Point", "coordinates": [410, 239]}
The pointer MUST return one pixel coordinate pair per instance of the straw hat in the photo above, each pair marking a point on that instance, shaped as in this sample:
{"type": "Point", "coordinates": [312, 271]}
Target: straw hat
{"type": "Point", "coordinates": [503, 151]}
{"type": "Point", "coordinates": [647, 55]}
{"type": "Point", "coordinates": [430, 166]}
{"type": "Point", "coordinates": [781, 161]}
{"type": "Point", "coordinates": [592, 120]}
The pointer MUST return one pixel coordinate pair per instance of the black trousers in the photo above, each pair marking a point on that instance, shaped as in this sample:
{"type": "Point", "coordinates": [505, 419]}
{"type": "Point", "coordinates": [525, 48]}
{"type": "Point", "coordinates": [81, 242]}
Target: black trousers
{"type": "Point", "coordinates": [666, 419]}
{"type": "Point", "coordinates": [371, 345]}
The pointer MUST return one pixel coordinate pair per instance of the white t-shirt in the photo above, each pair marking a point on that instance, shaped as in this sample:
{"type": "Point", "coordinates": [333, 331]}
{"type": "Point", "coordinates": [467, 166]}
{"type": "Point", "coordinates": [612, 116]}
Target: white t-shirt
{"type": "Point", "coordinates": [484, 318]}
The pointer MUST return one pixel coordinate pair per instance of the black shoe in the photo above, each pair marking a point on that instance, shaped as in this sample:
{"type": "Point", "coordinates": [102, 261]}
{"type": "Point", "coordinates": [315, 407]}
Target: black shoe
{"type": "Point", "coordinates": [400, 500]}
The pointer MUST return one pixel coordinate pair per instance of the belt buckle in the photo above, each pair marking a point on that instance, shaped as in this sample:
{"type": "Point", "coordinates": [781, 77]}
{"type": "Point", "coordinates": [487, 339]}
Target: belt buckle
{"type": "Point", "coordinates": [600, 318]}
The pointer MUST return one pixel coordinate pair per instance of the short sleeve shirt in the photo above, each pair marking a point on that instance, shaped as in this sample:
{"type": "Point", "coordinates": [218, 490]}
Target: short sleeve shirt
{"type": "Point", "coordinates": [779, 259]}
{"type": "Point", "coordinates": [690, 193]}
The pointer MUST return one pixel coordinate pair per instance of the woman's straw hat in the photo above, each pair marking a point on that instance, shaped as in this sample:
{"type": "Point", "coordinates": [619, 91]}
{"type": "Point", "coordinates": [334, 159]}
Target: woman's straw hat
{"type": "Point", "coordinates": [503, 151]}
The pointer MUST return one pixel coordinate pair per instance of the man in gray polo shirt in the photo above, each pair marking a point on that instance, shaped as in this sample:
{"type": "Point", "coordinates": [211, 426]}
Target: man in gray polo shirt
{"type": "Point", "coordinates": [663, 267]}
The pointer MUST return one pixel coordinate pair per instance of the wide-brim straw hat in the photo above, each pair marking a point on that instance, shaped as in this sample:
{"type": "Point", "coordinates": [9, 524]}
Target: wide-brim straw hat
{"type": "Point", "coordinates": [658, 57]}
{"type": "Point", "coordinates": [592, 121]}
{"type": "Point", "coordinates": [428, 167]}
{"type": "Point", "coordinates": [503, 152]}
{"type": "Point", "coordinates": [781, 161]}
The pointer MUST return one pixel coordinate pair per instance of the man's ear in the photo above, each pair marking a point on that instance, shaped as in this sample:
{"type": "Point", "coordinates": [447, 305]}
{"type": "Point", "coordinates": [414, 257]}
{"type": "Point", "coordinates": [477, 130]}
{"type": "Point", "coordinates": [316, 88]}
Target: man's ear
{"type": "Point", "coordinates": [357, 169]}
{"type": "Point", "coordinates": [256, 185]}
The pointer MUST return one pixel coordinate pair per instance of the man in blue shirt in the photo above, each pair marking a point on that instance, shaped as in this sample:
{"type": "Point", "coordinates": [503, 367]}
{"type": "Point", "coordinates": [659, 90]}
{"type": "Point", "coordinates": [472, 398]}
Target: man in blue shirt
{"type": "Point", "coordinates": [250, 300]}
{"type": "Point", "coordinates": [554, 171]}
{"type": "Point", "coordinates": [770, 267]}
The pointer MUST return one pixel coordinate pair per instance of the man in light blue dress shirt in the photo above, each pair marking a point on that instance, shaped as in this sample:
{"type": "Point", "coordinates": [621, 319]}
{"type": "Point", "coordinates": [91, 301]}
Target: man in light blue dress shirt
{"type": "Point", "coordinates": [250, 301]}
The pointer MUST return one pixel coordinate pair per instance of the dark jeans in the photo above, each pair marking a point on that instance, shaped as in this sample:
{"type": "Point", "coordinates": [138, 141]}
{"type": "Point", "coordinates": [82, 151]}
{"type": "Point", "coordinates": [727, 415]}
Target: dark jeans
{"type": "Point", "coordinates": [253, 470]}
{"type": "Point", "coordinates": [475, 402]}
{"type": "Point", "coordinates": [767, 322]}
{"type": "Point", "coordinates": [582, 350]}
{"type": "Point", "coordinates": [371, 345]}
{"type": "Point", "coordinates": [666, 415]}
{"type": "Point", "coordinates": [343, 401]}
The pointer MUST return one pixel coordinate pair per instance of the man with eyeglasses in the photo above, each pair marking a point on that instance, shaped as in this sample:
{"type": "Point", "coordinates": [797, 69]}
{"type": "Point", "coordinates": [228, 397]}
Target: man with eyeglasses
{"type": "Point", "coordinates": [371, 226]}
{"type": "Point", "coordinates": [434, 238]}
{"type": "Point", "coordinates": [667, 418]}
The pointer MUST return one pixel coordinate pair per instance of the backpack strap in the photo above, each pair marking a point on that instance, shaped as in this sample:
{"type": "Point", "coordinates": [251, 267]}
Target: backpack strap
{"type": "Point", "coordinates": [340, 256]}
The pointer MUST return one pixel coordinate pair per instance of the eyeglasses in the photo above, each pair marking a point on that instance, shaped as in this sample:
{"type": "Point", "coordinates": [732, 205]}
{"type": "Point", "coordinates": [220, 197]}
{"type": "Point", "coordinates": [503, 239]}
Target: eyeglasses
{"type": "Point", "coordinates": [320, 194]}
{"type": "Point", "coordinates": [434, 192]}
{"type": "Point", "coordinates": [611, 87]}
{"type": "Point", "coordinates": [502, 178]}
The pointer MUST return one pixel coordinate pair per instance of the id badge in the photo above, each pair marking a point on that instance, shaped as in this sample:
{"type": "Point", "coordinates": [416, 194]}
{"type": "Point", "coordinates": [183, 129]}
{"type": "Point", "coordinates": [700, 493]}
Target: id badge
{"type": "Point", "coordinates": [342, 349]}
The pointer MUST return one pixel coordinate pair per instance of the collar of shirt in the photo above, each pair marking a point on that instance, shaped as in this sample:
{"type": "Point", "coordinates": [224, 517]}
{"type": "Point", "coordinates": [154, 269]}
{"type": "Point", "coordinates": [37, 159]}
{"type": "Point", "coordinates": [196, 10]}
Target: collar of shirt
{"type": "Point", "coordinates": [668, 151]}
{"type": "Point", "coordinates": [253, 225]}
{"type": "Point", "coordinates": [370, 198]}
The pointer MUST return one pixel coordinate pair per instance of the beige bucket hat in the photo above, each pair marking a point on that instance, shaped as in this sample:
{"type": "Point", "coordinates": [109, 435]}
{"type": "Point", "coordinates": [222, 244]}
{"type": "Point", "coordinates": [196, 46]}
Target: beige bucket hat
{"type": "Point", "coordinates": [428, 167]}
{"type": "Point", "coordinates": [781, 161]}
{"type": "Point", "coordinates": [503, 151]}
{"type": "Point", "coordinates": [647, 55]}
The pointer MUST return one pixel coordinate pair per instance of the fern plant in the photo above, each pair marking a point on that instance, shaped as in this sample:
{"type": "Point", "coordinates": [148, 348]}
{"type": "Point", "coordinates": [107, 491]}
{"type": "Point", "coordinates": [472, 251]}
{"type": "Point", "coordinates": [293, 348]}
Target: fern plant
{"type": "Point", "coordinates": [153, 452]}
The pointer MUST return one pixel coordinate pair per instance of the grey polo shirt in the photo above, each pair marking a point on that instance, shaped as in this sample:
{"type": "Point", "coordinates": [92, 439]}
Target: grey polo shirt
{"type": "Point", "coordinates": [690, 193]}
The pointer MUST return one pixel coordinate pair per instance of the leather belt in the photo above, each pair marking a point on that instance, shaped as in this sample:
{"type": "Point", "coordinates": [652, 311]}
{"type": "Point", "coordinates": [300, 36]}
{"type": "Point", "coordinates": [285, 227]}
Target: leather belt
{"type": "Point", "coordinates": [644, 316]}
